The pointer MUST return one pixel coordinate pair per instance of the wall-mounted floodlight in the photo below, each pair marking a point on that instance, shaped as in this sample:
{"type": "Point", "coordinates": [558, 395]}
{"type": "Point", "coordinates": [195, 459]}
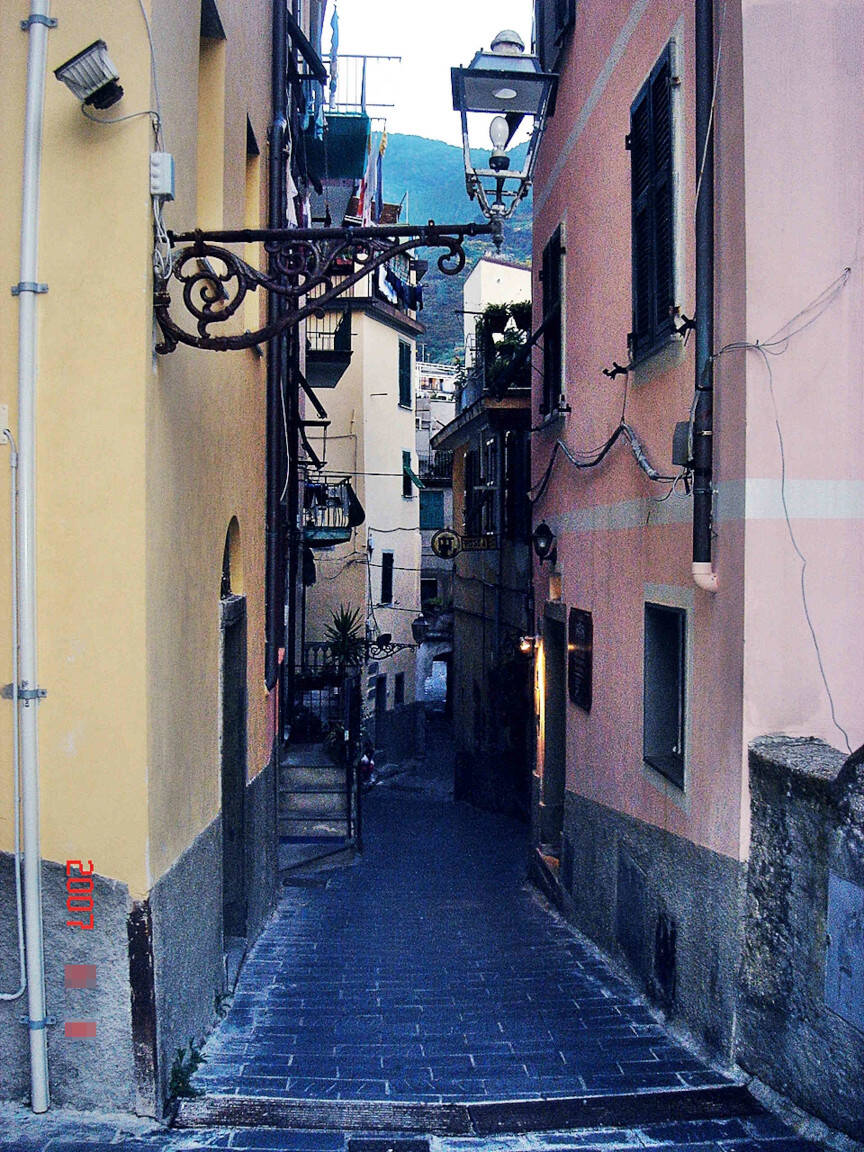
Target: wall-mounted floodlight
{"type": "Point", "coordinates": [91, 77]}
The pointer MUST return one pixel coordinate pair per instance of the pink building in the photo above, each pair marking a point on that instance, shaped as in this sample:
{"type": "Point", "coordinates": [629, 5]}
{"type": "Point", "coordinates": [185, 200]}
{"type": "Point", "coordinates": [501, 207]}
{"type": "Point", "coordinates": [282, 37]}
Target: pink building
{"type": "Point", "coordinates": [654, 673]}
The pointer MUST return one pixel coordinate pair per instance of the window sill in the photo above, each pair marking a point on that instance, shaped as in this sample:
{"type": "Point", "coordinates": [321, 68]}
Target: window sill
{"type": "Point", "coordinates": [406, 408]}
{"type": "Point", "coordinates": [678, 795]}
{"type": "Point", "coordinates": [553, 419]}
{"type": "Point", "coordinates": [665, 355]}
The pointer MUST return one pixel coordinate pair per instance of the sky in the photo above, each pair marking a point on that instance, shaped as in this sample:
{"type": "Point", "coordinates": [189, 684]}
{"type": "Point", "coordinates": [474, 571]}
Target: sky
{"type": "Point", "coordinates": [431, 36]}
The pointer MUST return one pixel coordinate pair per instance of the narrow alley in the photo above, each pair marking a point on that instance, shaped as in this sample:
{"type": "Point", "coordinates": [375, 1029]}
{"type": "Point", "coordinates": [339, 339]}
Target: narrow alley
{"type": "Point", "coordinates": [426, 989]}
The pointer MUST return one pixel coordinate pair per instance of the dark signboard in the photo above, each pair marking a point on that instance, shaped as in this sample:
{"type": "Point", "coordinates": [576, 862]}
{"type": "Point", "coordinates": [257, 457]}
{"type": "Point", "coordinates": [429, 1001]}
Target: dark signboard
{"type": "Point", "coordinates": [580, 645]}
{"type": "Point", "coordinates": [479, 543]}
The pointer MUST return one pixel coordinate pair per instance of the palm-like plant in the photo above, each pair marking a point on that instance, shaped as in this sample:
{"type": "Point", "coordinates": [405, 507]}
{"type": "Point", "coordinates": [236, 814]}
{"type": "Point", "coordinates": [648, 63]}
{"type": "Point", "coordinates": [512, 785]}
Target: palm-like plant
{"type": "Point", "coordinates": [345, 637]}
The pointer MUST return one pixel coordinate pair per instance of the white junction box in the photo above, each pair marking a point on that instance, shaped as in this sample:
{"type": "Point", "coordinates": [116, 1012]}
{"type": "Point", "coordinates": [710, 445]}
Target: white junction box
{"type": "Point", "coordinates": [4, 416]}
{"type": "Point", "coordinates": [162, 175]}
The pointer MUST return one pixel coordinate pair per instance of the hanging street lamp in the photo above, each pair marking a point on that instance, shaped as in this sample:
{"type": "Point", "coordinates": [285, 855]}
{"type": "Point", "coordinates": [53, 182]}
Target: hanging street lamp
{"type": "Point", "coordinates": [506, 85]}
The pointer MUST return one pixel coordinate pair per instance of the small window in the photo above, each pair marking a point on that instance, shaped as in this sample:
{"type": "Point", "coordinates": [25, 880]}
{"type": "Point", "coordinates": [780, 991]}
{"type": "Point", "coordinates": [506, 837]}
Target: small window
{"type": "Point", "coordinates": [404, 374]}
{"type": "Point", "coordinates": [663, 691]}
{"type": "Point", "coordinates": [386, 577]}
{"type": "Point", "coordinates": [428, 590]}
{"type": "Point", "coordinates": [407, 489]}
{"type": "Point", "coordinates": [653, 216]}
{"type": "Point", "coordinates": [431, 509]}
{"type": "Point", "coordinates": [552, 290]}
{"type": "Point", "coordinates": [399, 688]}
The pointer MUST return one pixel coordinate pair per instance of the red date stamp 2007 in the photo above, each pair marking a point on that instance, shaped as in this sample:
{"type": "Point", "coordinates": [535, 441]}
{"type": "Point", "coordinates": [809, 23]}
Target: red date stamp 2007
{"type": "Point", "coordinates": [79, 904]}
{"type": "Point", "coordinates": [79, 889]}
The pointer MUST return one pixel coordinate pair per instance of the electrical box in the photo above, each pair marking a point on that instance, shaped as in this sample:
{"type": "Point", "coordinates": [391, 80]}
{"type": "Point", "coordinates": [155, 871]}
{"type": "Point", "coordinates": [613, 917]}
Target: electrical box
{"type": "Point", "coordinates": [4, 416]}
{"type": "Point", "coordinates": [681, 444]}
{"type": "Point", "coordinates": [162, 175]}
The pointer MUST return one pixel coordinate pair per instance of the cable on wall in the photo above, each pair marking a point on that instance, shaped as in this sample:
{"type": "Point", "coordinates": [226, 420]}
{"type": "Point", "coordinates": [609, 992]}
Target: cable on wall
{"type": "Point", "coordinates": [777, 345]}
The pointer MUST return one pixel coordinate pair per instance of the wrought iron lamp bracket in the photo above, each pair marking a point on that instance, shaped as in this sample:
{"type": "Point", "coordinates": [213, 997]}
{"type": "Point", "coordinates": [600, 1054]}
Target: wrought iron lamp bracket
{"type": "Point", "coordinates": [308, 268]}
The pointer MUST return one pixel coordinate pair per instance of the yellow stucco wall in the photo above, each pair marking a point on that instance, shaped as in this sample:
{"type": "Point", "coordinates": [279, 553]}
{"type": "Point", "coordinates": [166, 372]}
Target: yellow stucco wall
{"type": "Point", "coordinates": [205, 448]}
{"type": "Point", "coordinates": [141, 462]}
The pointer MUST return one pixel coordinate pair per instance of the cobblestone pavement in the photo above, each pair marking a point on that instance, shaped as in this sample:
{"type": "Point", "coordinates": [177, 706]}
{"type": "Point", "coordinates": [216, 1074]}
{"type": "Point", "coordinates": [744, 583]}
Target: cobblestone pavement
{"type": "Point", "coordinates": [430, 971]}
{"type": "Point", "coordinates": [79, 1132]}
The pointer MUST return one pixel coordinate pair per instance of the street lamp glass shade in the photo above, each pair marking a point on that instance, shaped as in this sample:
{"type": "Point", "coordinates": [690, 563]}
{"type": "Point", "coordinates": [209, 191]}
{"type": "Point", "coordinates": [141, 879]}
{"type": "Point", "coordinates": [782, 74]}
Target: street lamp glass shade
{"type": "Point", "coordinates": [91, 77]}
{"type": "Point", "coordinates": [498, 83]}
{"type": "Point", "coordinates": [543, 539]}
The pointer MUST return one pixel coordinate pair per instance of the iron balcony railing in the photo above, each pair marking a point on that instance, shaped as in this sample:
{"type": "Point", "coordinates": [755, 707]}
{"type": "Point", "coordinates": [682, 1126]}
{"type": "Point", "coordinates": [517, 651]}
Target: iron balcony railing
{"type": "Point", "coordinates": [435, 466]}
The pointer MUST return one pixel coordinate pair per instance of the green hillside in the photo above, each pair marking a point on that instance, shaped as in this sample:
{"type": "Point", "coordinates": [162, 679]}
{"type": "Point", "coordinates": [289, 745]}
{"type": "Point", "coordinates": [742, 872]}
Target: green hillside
{"type": "Point", "coordinates": [430, 175]}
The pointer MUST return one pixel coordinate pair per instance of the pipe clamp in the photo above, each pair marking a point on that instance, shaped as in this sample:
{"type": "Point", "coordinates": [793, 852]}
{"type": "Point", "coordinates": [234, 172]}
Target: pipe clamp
{"type": "Point", "coordinates": [48, 21]}
{"type": "Point", "coordinates": [38, 1025]}
{"type": "Point", "coordinates": [24, 693]}
{"type": "Point", "coordinates": [29, 286]}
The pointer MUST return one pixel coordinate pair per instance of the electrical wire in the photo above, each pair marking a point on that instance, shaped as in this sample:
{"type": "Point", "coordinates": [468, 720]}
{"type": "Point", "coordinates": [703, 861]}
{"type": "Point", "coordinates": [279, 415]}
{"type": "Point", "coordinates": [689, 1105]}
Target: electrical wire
{"type": "Point", "coordinates": [710, 129]}
{"type": "Point", "coordinates": [159, 130]}
{"type": "Point", "coordinates": [776, 345]}
{"type": "Point", "coordinates": [16, 757]}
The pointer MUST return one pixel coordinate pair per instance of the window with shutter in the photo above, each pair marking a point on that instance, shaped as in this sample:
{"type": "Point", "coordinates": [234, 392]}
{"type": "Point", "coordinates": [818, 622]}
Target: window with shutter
{"type": "Point", "coordinates": [653, 210]}
{"type": "Point", "coordinates": [404, 374]}
{"type": "Point", "coordinates": [386, 578]}
{"type": "Point", "coordinates": [552, 290]}
{"type": "Point", "coordinates": [552, 21]}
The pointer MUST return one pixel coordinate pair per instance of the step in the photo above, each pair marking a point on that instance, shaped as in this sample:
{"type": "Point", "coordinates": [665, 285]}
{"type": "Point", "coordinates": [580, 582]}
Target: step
{"type": "Point", "coordinates": [472, 1118]}
{"type": "Point", "coordinates": [304, 803]}
{"type": "Point", "coordinates": [300, 831]}
{"type": "Point", "coordinates": [311, 775]}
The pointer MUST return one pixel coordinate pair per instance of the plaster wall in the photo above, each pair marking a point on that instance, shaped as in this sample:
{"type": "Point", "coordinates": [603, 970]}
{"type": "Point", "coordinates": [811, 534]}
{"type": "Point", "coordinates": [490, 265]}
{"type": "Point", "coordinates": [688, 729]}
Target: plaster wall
{"type": "Point", "coordinates": [491, 281]}
{"type": "Point", "coordinates": [205, 458]}
{"type": "Point", "coordinates": [617, 547]}
{"type": "Point", "coordinates": [94, 347]}
{"type": "Point", "coordinates": [805, 199]}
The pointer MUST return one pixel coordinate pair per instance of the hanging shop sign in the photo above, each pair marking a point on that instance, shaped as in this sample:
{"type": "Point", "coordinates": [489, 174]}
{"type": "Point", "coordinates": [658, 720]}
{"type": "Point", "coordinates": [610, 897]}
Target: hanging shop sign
{"type": "Point", "coordinates": [479, 543]}
{"type": "Point", "coordinates": [446, 544]}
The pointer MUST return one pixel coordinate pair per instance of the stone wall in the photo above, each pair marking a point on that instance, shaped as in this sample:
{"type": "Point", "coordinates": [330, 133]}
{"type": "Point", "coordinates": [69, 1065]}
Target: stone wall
{"type": "Point", "coordinates": [669, 910]}
{"type": "Point", "coordinates": [801, 1004]}
{"type": "Point", "coordinates": [96, 1072]}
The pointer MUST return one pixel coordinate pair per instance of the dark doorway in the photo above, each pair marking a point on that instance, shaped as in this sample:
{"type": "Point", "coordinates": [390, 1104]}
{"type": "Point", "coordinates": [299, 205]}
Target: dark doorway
{"type": "Point", "coordinates": [233, 754]}
{"type": "Point", "coordinates": [555, 739]}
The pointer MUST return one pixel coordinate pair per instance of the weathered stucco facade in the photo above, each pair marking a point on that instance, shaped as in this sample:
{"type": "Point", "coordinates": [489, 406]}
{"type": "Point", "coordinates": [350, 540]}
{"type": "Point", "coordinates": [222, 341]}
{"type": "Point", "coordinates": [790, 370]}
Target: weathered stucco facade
{"type": "Point", "coordinates": [150, 486]}
{"type": "Point", "coordinates": [666, 851]}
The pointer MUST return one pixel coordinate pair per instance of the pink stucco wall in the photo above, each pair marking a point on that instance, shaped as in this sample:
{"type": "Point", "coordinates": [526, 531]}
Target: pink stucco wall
{"type": "Point", "coordinates": [804, 114]}
{"type": "Point", "coordinates": [616, 547]}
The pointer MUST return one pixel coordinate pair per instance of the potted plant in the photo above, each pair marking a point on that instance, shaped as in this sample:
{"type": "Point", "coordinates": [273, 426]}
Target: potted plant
{"type": "Point", "coordinates": [495, 317]}
{"type": "Point", "coordinates": [344, 635]}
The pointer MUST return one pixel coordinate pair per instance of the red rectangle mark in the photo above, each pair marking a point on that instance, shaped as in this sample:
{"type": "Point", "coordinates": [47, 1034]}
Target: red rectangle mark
{"type": "Point", "coordinates": [80, 976]}
{"type": "Point", "coordinates": [80, 1029]}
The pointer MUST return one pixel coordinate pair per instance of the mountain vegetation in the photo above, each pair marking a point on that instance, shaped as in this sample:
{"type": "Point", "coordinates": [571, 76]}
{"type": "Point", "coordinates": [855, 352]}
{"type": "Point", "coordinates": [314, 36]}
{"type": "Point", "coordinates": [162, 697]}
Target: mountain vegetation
{"type": "Point", "coordinates": [428, 177]}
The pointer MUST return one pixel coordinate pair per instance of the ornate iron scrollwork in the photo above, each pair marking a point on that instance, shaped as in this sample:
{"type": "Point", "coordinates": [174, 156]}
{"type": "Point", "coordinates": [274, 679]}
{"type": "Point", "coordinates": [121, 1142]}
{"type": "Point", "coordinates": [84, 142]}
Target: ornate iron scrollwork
{"type": "Point", "coordinates": [307, 269]}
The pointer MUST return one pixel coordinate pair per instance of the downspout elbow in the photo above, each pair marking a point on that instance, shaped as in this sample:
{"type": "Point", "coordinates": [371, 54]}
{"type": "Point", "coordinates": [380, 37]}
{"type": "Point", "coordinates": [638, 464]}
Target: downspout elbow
{"type": "Point", "coordinates": [704, 576]}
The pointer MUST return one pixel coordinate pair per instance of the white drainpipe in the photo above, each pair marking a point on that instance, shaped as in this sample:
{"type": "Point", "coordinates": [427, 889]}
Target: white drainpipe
{"type": "Point", "coordinates": [27, 291]}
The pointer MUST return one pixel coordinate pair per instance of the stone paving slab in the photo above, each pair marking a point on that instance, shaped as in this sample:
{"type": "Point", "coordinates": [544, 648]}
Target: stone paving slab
{"type": "Point", "coordinates": [431, 972]}
{"type": "Point", "coordinates": [65, 1131]}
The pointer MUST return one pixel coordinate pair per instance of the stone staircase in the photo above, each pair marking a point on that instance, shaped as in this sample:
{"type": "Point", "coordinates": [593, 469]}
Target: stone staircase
{"type": "Point", "coordinates": [314, 813]}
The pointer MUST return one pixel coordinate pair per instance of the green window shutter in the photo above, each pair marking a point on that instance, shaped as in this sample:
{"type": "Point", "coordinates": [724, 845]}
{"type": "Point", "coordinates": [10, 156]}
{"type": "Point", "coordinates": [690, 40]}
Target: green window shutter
{"type": "Point", "coordinates": [653, 232]}
{"type": "Point", "coordinates": [404, 374]}
{"type": "Point", "coordinates": [409, 476]}
{"type": "Point", "coordinates": [431, 509]}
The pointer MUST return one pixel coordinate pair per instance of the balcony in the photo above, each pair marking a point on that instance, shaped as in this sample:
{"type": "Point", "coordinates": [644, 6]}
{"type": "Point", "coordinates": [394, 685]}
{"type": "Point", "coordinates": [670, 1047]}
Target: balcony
{"type": "Point", "coordinates": [331, 511]}
{"type": "Point", "coordinates": [328, 348]}
{"type": "Point", "coordinates": [436, 468]}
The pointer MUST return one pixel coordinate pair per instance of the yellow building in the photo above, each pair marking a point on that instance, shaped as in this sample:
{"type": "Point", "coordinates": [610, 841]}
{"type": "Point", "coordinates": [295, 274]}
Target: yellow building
{"type": "Point", "coordinates": [156, 739]}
